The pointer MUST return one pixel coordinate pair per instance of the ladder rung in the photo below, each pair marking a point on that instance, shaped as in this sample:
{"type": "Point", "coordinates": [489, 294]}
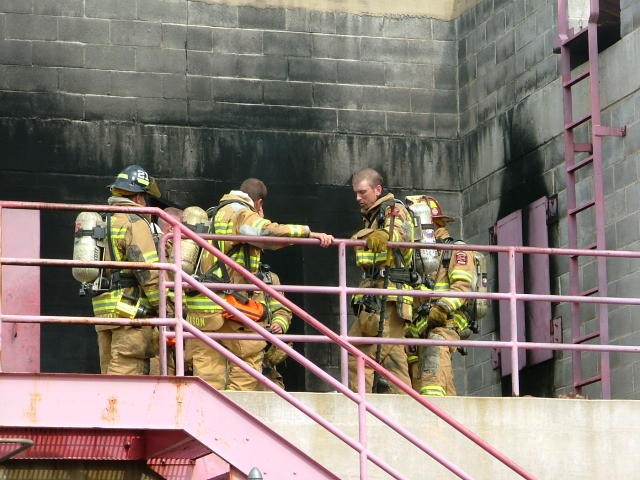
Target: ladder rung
{"type": "Point", "coordinates": [589, 291]}
{"type": "Point", "coordinates": [577, 78]}
{"type": "Point", "coordinates": [582, 207]}
{"type": "Point", "coordinates": [580, 164]}
{"type": "Point", "coordinates": [586, 338]}
{"type": "Point", "coordinates": [572, 38]}
{"type": "Point", "coordinates": [583, 147]}
{"type": "Point", "coordinates": [578, 122]}
{"type": "Point", "coordinates": [587, 381]}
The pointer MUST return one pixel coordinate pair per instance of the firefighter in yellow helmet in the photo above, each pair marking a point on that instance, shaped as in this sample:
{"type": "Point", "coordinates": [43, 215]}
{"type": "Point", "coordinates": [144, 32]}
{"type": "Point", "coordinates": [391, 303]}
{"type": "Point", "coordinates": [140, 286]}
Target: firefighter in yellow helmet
{"type": "Point", "coordinates": [442, 318]}
{"type": "Point", "coordinates": [385, 219]}
{"type": "Point", "coordinates": [128, 293]}
{"type": "Point", "coordinates": [238, 213]}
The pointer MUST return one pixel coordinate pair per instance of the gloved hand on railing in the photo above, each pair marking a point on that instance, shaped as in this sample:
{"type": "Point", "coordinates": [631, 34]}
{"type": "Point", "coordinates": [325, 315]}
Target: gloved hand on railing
{"type": "Point", "coordinates": [377, 240]}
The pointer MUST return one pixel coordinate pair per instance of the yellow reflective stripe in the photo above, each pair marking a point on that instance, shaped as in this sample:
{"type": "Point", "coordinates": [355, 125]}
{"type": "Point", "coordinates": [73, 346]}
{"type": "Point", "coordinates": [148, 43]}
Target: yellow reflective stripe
{"type": "Point", "coordinates": [460, 319]}
{"type": "Point", "coordinates": [452, 303]}
{"type": "Point", "coordinates": [202, 303]}
{"type": "Point", "coordinates": [412, 358]}
{"type": "Point", "coordinates": [297, 230]}
{"type": "Point", "coordinates": [282, 322]}
{"type": "Point", "coordinates": [432, 390]}
{"type": "Point", "coordinates": [463, 275]}
{"type": "Point", "coordinates": [441, 287]}
{"type": "Point", "coordinates": [421, 324]}
{"type": "Point", "coordinates": [150, 256]}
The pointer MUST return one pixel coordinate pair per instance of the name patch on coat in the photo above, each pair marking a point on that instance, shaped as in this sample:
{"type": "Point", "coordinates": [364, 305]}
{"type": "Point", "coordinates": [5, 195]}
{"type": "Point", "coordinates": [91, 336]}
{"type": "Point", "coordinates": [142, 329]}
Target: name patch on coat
{"type": "Point", "coordinates": [461, 258]}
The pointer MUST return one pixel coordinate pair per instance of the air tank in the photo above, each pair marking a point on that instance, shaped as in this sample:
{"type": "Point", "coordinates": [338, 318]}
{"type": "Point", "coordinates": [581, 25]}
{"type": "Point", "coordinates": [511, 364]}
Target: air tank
{"type": "Point", "coordinates": [88, 245]}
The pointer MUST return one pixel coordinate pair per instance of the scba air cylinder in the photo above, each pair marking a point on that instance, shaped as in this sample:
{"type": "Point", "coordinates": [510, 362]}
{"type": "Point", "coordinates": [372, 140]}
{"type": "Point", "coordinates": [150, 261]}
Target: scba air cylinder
{"type": "Point", "coordinates": [88, 245]}
{"type": "Point", "coordinates": [197, 220]}
{"type": "Point", "coordinates": [427, 260]}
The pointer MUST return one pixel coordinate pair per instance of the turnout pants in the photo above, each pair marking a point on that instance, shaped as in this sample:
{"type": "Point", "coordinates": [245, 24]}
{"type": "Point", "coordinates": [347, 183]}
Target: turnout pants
{"type": "Point", "coordinates": [214, 368]}
{"type": "Point", "coordinates": [393, 357]}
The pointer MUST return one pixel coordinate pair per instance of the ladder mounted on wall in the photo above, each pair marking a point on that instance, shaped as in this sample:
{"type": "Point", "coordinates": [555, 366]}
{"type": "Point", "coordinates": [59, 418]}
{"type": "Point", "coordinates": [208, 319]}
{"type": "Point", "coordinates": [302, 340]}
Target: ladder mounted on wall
{"type": "Point", "coordinates": [583, 134]}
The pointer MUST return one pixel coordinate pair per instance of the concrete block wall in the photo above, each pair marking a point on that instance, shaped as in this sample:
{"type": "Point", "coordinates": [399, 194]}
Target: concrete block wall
{"type": "Point", "coordinates": [512, 150]}
{"type": "Point", "coordinates": [205, 94]}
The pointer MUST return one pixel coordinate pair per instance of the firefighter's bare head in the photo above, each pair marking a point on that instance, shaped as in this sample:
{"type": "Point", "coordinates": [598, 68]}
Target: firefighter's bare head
{"type": "Point", "coordinates": [367, 185]}
{"type": "Point", "coordinates": [257, 191]}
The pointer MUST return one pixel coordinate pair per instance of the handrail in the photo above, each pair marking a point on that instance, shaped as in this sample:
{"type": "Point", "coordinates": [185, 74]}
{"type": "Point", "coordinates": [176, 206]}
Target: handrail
{"type": "Point", "coordinates": [26, 443]}
{"type": "Point", "coordinates": [184, 330]}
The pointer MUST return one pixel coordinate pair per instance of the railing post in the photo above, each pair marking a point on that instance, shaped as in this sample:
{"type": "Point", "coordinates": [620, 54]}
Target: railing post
{"type": "Point", "coordinates": [342, 284]}
{"type": "Point", "coordinates": [177, 297]}
{"type": "Point", "coordinates": [515, 367]}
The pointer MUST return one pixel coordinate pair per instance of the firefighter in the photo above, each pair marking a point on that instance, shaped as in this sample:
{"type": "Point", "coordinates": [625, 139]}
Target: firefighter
{"type": "Point", "coordinates": [130, 294]}
{"type": "Point", "coordinates": [238, 213]}
{"type": "Point", "coordinates": [384, 219]}
{"type": "Point", "coordinates": [442, 318]}
{"type": "Point", "coordinates": [278, 320]}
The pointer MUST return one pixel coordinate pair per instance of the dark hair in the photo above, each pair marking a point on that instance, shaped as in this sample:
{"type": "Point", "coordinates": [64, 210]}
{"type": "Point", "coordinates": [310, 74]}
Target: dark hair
{"type": "Point", "coordinates": [256, 189]}
{"type": "Point", "coordinates": [372, 177]}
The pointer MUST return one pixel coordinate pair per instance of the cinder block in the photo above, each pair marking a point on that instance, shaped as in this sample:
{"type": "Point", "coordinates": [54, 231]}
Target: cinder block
{"type": "Point", "coordinates": [67, 8]}
{"type": "Point", "coordinates": [30, 27]}
{"type": "Point", "coordinates": [385, 50]}
{"type": "Point", "coordinates": [313, 70]}
{"type": "Point", "coordinates": [386, 99]}
{"type": "Point", "coordinates": [331, 46]}
{"type": "Point", "coordinates": [83, 30]}
{"type": "Point", "coordinates": [418, 124]}
{"type": "Point", "coordinates": [443, 30]}
{"type": "Point", "coordinates": [446, 77]}
{"type": "Point", "coordinates": [268, 67]}
{"type": "Point", "coordinates": [266, 18]}
{"type": "Point", "coordinates": [133, 84]}
{"type": "Point", "coordinates": [15, 104]}
{"type": "Point", "coordinates": [199, 88]}
{"type": "Point", "coordinates": [338, 96]}
{"type": "Point", "coordinates": [116, 9]}
{"type": "Point", "coordinates": [359, 121]}
{"type": "Point", "coordinates": [98, 107]}
{"type": "Point", "coordinates": [36, 79]}
{"type": "Point", "coordinates": [496, 26]}
{"type": "Point", "coordinates": [174, 86]}
{"type": "Point", "coordinates": [174, 36]}
{"type": "Point", "coordinates": [162, 110]}
{"type": "Point", "coordinates": [199, 38]}
{"type": "Point", "coordinates": [296, 19]}
{"type": "Point", "coordinates": [15, 52]}
{"type": "Point", "coordinates": [212, 15]}
{"type": "Point", "coordinates": [436, 101]}
{"type": "Point", "coordinates": [58, 54]}
{"type": "Point", "coordinates": [505, 46]}
{"type": "Point", "coordinates": [526, 32]}
{"type": "Point", "coordinates": [229, 40]}
{"type": "Point", "coordinates": [360, 25]}
{"type": "Point", "coordinates": [224, 65]}
{"type": "Point", "coordinates": [237, 90]}
{"type": "Point", "coordinates": [407, 27]}
{"type": "Point", "coordinates": [287, 43]}
{"type": "Point", "coordinates": [152, 59]}
{"type": "Point", "coordinates": [58, 105]}
{"type": "Point", "coordinates": [288, 93]}
{"type": "Point", "coordinates": [167, 11]}
{"type": "Point", "coordinates": [16, 6]}
{"type": "Point", "coordinates": [106, 57]}
{"type": "Point", "coordinates": [362, 73]}
{"type": "Point", "coordinates": [322, 22]}
{"type": "Point", "coordinates": [262, 117]}
{"type": "Point", "coordinates": [424, 51]}
{"type": "Point", "coordinates": [81, 80]}
{"type": "Point", "coordinates": [409, 75]}
{"type": "Point", "coordinates": [142, 34]}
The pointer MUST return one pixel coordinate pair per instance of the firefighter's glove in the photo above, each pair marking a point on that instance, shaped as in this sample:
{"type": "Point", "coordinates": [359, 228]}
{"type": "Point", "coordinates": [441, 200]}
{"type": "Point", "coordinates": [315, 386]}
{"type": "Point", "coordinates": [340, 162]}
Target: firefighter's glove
{"type": "Point", "coordinates": [377, 240]}
{"type": "Point", "coordinates": [438, 316]}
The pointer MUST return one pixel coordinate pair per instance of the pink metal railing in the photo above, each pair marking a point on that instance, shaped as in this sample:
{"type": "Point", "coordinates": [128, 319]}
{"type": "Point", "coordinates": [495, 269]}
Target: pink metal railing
{"type": "Point", "coordinates": [183, 329]}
